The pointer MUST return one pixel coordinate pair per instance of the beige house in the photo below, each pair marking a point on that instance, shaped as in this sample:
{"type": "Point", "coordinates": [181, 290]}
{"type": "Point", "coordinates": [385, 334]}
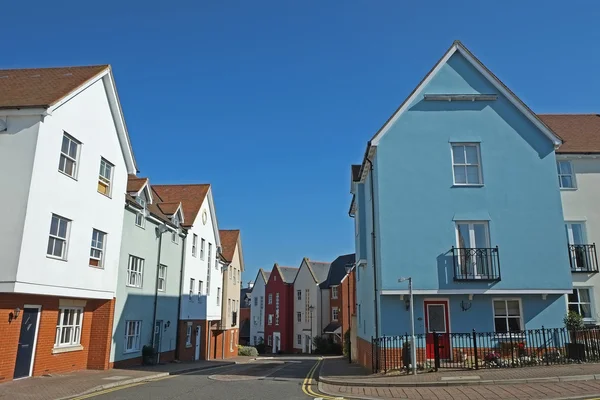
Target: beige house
{"type": "Point", "coordinates": [233, 259]}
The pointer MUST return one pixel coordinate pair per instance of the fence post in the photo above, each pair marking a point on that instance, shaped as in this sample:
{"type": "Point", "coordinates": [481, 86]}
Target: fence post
{"type": "Point", "coordinates": [545, 345]}
{"type": "Point", "coordinates": [436, 350]}
{"type": "Point", "coordinates": [475, 349]}
{"type": "Point", "coordinates": [384, 354]}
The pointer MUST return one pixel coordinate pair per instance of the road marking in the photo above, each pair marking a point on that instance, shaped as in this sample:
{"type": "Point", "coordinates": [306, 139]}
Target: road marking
{"type": "Point", "coordinates": [308, 382]}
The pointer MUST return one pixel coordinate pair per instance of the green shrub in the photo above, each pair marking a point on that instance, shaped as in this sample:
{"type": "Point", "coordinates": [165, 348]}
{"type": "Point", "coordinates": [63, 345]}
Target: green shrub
{"type": "Point", "coordinates": [326, 345]}
{"type": "Point", "coordinates": [247, 351]}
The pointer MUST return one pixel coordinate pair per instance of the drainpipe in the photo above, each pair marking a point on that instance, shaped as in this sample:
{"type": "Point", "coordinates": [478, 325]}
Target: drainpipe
{"type": "Point", "coordinates": [177, 340]}
{"type": "Point", "coordinates": [373, 248]}
{"type": "Point", "coordinates": [160, 230]}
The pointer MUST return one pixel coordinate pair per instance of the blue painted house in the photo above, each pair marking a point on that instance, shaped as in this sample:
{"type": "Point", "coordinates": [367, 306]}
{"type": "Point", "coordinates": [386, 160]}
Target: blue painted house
{"type": "Point", "coordinates": [458, 190]}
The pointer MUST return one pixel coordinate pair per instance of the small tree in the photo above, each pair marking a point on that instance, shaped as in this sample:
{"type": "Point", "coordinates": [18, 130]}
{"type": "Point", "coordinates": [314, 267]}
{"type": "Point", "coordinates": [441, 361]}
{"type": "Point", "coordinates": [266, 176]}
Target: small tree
{"type": "Point", "coordinates": [573, 321]}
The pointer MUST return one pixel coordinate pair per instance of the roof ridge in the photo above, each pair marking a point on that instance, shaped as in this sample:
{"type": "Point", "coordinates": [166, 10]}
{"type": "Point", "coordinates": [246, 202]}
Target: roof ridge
{"type": "Point", "coordinates": [61, 67]}
{"type": "Point", "coordinates": [181, 184]}
{"type": "Point", "coordinates": [572, 114]}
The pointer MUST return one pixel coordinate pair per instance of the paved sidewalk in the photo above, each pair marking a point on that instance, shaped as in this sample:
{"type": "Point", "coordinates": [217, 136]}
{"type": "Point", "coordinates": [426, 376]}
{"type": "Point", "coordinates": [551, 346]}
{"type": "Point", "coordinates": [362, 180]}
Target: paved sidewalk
{"type": "Point", "coordinates": [69, 385]}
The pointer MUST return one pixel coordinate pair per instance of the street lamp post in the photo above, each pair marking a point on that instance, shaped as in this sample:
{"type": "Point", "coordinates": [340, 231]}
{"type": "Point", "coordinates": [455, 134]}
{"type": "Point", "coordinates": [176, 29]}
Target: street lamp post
{"type": "Point", "coordinates": [348, 269]}
{"type": "Point", "coordinates": [413, 345]}
{"type": "Point", "coordinates": [311, 308]}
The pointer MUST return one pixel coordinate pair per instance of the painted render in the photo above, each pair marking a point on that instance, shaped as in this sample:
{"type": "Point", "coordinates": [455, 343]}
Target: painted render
{"type": "Point", "coordinates": [519, 199]}
{"type": "Point", "coordinates": [137, 304]}
{"type": "Point", "coordinates": [88, 117]}
{"type": "Point", "coordinates": [257, 313]}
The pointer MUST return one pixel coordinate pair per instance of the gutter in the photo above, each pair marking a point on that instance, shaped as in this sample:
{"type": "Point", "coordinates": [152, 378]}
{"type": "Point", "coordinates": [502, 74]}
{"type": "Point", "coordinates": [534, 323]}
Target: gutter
{"type": "Point", "coordinates": [179, 319]}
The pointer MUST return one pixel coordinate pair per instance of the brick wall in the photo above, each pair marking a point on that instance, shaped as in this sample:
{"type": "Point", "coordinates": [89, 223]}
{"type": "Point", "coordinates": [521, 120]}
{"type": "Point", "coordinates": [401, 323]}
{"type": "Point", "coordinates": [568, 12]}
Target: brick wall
{"type": "Point", "coordinates": [97, 318]}
{"type": "Point", "coordinates": [184, 353]}
{"type": "Point", "coordinates": [365, 353]}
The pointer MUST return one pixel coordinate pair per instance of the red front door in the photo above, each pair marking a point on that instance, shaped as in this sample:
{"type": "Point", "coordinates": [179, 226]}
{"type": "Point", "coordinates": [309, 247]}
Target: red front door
{"type": "Point", "coordinates": [436, 320]}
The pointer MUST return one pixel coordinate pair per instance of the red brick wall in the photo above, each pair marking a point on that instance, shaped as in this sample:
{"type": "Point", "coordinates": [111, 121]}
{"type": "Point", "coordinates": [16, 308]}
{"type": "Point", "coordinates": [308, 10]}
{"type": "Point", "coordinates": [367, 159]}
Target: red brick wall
{"type": "Point", "coordinates": [347, 297]}
{"type": "Point", "coordinates": [286, 310]}
{"type": "Point", "coordinates": [184, 353]}
{"type": "Point", "coordinates": [365, 353]}
{"type": "Point", "coordinates": [98, 318]}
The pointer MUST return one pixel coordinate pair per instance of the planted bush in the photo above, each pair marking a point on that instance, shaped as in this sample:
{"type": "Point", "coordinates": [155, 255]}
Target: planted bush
{"type": "Point", "coordinates": [247, 351]}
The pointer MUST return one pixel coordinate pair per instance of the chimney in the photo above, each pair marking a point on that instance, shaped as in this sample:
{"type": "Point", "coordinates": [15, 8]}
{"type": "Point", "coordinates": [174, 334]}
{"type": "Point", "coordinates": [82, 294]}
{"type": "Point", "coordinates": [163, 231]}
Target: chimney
{"type": "Point", "coordinates": [250, 284]}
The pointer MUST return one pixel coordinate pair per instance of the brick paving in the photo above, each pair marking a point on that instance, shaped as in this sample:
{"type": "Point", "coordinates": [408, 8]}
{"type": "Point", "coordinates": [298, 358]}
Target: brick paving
{"type": "Point", "coordinates": [67, 385]}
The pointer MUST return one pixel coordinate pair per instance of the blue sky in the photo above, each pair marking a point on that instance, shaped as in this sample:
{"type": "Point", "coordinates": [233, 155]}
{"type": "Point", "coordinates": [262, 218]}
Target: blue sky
{"type": "Point", "coordinates": [271, 101]}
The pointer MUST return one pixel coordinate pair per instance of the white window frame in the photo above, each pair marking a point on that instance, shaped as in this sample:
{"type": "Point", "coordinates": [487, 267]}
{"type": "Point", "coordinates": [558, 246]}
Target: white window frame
{"type": "Point", "coordinates": [97, 248]}
{"type": "Point", "coordinates": [135, 276]}
{"type": "Point", "coordinates": [270, 319]}
{"type": "Point", "coordinates": [466, 164]}
{"type": "Point", "coordinates": [192, 286]}
{"type": "Point", "coordinates": [73, 327]}
{"type": "Point", "coordinates": [209, 254]}
{"type": "Point", "coordinates": [188, 335]}
{"type": "Point", "coordinates": [471, 226]}
{"type": "Point", "coordinates": [135, 334]}
{"type": "Point", "coordinates": [202, 245]}
{"type": "Point", "coordinates": [162, 278]}
{"type": "Point", "coordinates": [590, 291]}
{"type": "Point", "coordinates": [140, 216]}
{"type": "Point", "coordinates": [521, 320]}
{"type": "Point", "coordinates": [562, 174]}
{"type": "Point", "coordinates": [195, 245]}
{"type": "Point", "coordinates": [299, 339]}
{"type": "Point", "coordinates": [175, 233]}
{"type": "Point", "coordinates": [200, 290]}
{"type": "Point", "coordinates": [55, 237]}
{"type": "Point", "coordinates": [66, 156]}
{"type": "Point", "coordinates": [334, 292]}
{"type": "Point", "coordinates": [298, 294]}
{"type": "Point", "coordinates": [335, 313]}
{"type": "Point", "coordinates": [104, 180]}
{"type": "Point", "coordinates": [298, 316]}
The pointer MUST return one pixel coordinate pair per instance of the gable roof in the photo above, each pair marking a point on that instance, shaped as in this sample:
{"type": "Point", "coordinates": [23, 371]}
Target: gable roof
{"type": "Point", "coordinates": [337, 271]}
{"type": "Point", "coordinates": [134, 183]}
{"type": "Point", "coordinates": [191, 197]}
{"type": "Point", "coordinates": [318, 270]}
{"type": "Point", "coordinates": [288, 274]}
{"type": "Point", "coordinates": [262, 274]}
{"type": "Point", "coordinates": [580, 132]}
{"type": "Point", "coordinates": [169, 208]}
{"type": "Point", "coordinates": [457, 47]}
{"type": "Point", "coordinates": [245, 293]}
{"type": "Point", "coordinates": [42, 87]}
{"type": "Point", "coordinates": [229, 240]}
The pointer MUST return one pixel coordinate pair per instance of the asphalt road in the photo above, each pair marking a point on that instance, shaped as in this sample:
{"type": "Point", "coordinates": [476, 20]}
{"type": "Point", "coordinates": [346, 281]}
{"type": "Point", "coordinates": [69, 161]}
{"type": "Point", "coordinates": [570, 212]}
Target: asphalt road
{"type": "Point", "coordinates": [265, 380]}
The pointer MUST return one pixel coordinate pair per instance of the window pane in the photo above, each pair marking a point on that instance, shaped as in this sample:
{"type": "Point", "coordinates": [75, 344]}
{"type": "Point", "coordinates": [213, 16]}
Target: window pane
{"type": "Point", "coordinates": [54, 225]}
{"type": "Point", "coordinates": [566, 181]}
{"type": "Point", "coordinates": [460, 175]}
{"type": "Point", "coordinates": [62, 228]}
{"type": "Point", "coordinates": [471, 154]}
{"type": "Point", "coordinates": [458, 154]}
{"type": "Point", "coordinates": [584, 295]}
{"type": "Point", "coordinates": [577, 230]}
{"type": "Point", "coordinates": [574, 297]}
{"type": "Point", "coordinates": [464, 239]}
{"type": "Point", "coordinates": [574, 307]}
{"type": "Point", "coordinates": [50, 250]}
{"type": "Point", "coordinates": [586, 311]}
{"type": "Point", "coordinates": [73, 150]}
{"type": "Point", "coordinates": [499, 308]}
{"type": "Point", "coordinates": [480, 231]}
{"type": "Point", "coordinates": [58, 248]}
{"type": "Point", "coordinates": [514, 324]}
{"type": "Point", "coordinates": [473, 174]}
{"type": "Point", "coordinates": [500, 325]}
{"type": "Point", "coordinates": [65, 145]}
{"type": "Point", "coordinates": [565, 167]}
{"type": "Point", "coordinates": [513, 308]}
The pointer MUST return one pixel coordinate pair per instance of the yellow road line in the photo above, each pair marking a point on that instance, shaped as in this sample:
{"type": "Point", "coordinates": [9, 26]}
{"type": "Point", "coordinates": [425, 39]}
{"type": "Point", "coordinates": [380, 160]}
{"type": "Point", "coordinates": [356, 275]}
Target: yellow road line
{"type": "Point", "coordinates": [307, 383]}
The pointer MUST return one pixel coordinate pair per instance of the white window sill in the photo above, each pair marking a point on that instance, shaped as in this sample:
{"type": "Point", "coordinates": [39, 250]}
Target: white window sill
{"type": "Point", "coordinates": [460, 185]}
{"type": "Point", "coordinates": [105, 195]}
{"type": "Point", "coordinates": [131, 351]}
{"type": "Point", "coordinates": [188, 345]}
{"type": "Point", "coordinates": [67, 349]}
{"type": "Point", "coordinates": [133, 287]}
{"type": "Point", "coordinates": [140, 226]}
{"type": "Point", "coordinates": [65, 174]}
{"type": "Point", "coordinates": [569, 189]}
{"type": "Point", "coordinates": [56, 258]}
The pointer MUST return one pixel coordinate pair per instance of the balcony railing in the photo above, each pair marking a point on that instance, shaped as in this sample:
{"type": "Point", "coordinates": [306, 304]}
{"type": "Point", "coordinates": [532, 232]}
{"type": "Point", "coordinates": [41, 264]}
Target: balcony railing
{"type": "Point", "coordinates": [234, 318]}
{"type": "Point", "coordinates": [583, 258]}
{"type": "Point", "coordinates": [476, 264]}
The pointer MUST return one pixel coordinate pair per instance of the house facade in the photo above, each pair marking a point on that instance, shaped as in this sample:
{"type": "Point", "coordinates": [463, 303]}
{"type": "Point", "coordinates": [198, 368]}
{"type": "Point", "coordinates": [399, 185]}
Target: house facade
{"type": "Point", "coordinates": [257, 308]}
{"type": "Point", "coordinates": [578, 168]}
{"type": "Point", "coordinates": [309, 304]}
{"type": "Point", "coordinates": [279, 309]}
{"type": "Point", "coordinates": [339, 290]}
{"type": "Point", "coordinates": [233, 257]}
{"type": "Point", "coordinates": [63, 137]}
{"type": "Point", "coordinates": [148, 280]}
{"type": "Point", "coordinates": [201, 283]}
{"type": "Point", "coordinates": [483, 168]}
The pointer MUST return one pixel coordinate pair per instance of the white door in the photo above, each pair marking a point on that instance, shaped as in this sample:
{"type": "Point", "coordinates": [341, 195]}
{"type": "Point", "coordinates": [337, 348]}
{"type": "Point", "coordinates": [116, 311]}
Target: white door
{"type": "Point", "coordinates": [197, 355]}
{"type": "Point", "coordinates": [307, 344]}
{"type": "Point", "coordinates": [276, 342]}
{"type": "Point", "coordinates": [577, 249]}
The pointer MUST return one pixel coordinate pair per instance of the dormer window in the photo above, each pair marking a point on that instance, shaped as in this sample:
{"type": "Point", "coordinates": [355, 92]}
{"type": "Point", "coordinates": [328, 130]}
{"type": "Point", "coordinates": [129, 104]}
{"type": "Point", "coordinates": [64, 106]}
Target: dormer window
{"type": "Point", "coordinates": [175, 234]}
{"type": "Point", "coordinates": [140, 219]}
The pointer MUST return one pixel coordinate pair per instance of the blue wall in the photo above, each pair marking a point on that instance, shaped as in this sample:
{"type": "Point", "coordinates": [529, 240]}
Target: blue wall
{"type": "Point", "coordinates": [417, 203]}
{"type": "Point", "coordinates": [480, 316]}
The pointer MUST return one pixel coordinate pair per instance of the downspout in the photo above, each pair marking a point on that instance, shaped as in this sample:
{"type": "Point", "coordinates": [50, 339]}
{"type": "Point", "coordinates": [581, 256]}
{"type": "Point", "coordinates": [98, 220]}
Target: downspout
{"type": "Point", "coordinates": [373, 248]}
{"type": "Point", "coordinates": [156, 292]}
{"type": "Point", "coordinates": [177, 340]}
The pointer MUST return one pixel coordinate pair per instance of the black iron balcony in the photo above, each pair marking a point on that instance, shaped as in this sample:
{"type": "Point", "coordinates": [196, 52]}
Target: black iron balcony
{"type": "Point", "coordinates": [583, 258]}
{"type": "Point", "coordinates": [234, 318]}
{"type": "Point", "coordinates": [476, 264]}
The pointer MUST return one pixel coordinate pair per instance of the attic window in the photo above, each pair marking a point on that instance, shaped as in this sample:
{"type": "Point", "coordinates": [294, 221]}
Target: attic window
{"type": "Point", "coordinates": [460, 97]}
{"type": "Point", "coordinates": [139, 217]}
{"type": "Point", "coordinates": [175, 234]}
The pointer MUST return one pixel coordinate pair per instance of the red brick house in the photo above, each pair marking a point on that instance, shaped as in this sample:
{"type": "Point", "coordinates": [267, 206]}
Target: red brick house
{"type": "Point", "coordinates": [340, 290]}
{"type": "Point", "coordinates": [279, 309]}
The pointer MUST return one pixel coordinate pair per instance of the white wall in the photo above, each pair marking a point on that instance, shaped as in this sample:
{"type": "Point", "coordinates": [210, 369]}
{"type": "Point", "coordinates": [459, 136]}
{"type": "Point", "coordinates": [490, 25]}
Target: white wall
{"type": "Point", "coordinates": [196, 268]}
{"type": "Point", "coordinates": [231, 292]}
{"type": "Point", "coordinates": [257, 315]}
{"type": "Point", "coordinates": [17, 150]}
{"type": "Point", "coordinates": [86, 117]}
{"type": "Point", "coordinates": [304, 280]}
{"type": "Point", "coordinates": [582, 205]}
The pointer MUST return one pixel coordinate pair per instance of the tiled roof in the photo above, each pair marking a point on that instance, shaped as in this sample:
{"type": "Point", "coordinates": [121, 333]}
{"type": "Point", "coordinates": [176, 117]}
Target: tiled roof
{"type": "Point", "coordinates": [168, 208]}
{"type": "Point", "coordinates": [337, 271]}
{"type": "Point", "coordinates": [265, 274]}
{"type": "Point", "coordinates": [288, 274]}
{"type": "Point", "coordinates": [319, 270]}
{"type": "Point", "coordinates": [580, 132]}
{"type": "Point", "coordinates": [152, 209]}
{"type": "Point", "coordinates": [229, 239]}
{"type": "Point", "coordinates": [191, 197]}
{"type": "Point", "coordinates": [42, 87]}
{"type": "Point", "coordinates": [134, 183]}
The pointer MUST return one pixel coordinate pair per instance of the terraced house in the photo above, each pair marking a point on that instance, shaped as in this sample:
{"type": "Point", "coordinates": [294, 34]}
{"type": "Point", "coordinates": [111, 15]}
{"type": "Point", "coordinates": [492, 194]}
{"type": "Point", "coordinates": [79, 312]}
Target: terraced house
{"type": "Point", "coordinates": [64, 140]}
{"type": "Point", "coordinates": [257, 308]}
{"type": "Point", "coordinates": [458, 190]}
{"type": "Point", "coordinates": [148, 279]}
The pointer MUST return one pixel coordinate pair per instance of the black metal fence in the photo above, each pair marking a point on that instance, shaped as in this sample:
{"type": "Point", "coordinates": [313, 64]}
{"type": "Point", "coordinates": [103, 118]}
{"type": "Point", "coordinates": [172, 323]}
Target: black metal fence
{"type": "Point", "coordinates": [478, 350]}
{"type": "Point", "coordinates": [476, 264]}
{"type": "Point", "coordinates": [583, 258]}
